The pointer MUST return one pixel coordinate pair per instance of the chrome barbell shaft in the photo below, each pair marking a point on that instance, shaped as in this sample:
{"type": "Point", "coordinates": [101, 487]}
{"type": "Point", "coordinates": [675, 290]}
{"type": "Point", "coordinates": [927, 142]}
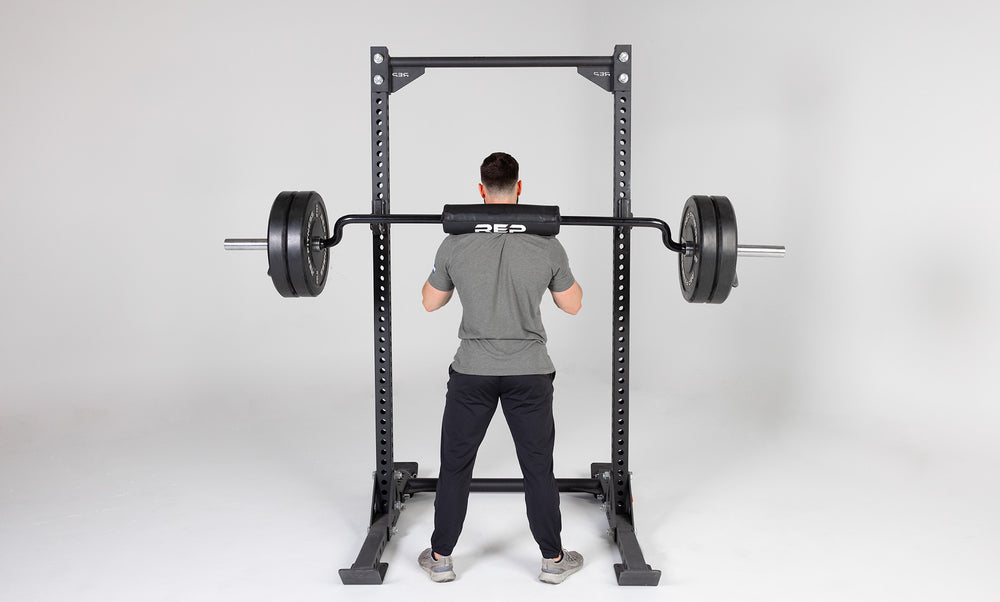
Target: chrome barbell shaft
{"type": "Point", "coordinates": [760, 250]}
{"type": "Point", "coordinates": [245, 244]}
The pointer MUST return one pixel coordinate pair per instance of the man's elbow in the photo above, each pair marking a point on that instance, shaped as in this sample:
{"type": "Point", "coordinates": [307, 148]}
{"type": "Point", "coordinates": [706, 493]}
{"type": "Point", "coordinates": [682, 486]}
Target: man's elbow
{"type": "Point", "coordinates": [570, 306]}
{"type": "Point", "coordinates": [429, 302]}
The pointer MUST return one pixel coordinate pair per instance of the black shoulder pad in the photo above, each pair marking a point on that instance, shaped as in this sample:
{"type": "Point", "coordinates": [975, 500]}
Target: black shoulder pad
{"type": "Point", "coordinates": [501, 219]}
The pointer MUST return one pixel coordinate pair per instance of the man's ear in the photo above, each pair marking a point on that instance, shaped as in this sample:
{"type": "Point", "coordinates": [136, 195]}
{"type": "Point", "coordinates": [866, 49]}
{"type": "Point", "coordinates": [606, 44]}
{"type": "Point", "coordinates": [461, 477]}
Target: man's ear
{"type": "Point", "coordinates": [519, 188]}
{"type": "Point", "coordinates": [482, 191]}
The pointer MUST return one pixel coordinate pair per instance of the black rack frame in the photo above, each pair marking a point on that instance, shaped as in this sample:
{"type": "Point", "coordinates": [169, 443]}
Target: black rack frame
{"type": "Point", "coordinates": [395, 481]}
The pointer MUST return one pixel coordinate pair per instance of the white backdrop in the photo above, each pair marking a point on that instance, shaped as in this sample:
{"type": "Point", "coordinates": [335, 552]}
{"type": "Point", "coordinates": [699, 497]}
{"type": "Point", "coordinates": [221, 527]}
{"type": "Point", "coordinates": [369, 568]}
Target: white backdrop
{"type": "Point", "coordinates": [135, 136]}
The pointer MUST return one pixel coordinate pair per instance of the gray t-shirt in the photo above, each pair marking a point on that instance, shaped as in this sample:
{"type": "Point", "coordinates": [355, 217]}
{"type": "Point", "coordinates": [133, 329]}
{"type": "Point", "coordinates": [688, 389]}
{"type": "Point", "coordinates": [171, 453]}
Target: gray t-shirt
{"type": "Point", "coordinates": [501, 279]}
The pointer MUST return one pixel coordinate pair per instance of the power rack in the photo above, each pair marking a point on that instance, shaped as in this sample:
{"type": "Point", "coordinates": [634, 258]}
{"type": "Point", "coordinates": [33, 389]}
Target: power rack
{"type": "Point", "coordinates": [395, 481]}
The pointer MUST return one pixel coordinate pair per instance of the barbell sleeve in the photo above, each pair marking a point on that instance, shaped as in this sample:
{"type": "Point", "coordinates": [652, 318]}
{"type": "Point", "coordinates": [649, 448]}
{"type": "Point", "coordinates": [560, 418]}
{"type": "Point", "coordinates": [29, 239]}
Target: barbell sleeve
{"type": "Point", "coordinates": [760, 250]}
{"type": "Point", "coordinates": [245, 244]}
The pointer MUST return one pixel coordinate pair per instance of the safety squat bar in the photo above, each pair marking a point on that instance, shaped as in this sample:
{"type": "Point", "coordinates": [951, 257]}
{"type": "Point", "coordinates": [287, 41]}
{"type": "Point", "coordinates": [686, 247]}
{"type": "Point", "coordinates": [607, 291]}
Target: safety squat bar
{"type": "Point", "coordinates": [610, 482]}
{"type": "Point", "coordinates": [260, 244]}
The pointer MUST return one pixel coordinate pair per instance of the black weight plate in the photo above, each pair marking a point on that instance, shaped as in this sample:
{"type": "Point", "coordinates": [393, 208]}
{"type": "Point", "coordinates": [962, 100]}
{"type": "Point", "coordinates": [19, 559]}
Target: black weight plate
{"type": "Point", "coordinates": [725, 273]}
{"type": "Point", "coordinates": [308, 261]}
{"type": "Point", "coordinates": [277, 262]}
{"type": "Point", "coordinates": [698, 229]}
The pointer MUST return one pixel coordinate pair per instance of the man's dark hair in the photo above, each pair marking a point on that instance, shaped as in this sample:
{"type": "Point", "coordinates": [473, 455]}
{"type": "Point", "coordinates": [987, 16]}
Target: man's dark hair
{"type": "Point", "coordinates": [498, 172]}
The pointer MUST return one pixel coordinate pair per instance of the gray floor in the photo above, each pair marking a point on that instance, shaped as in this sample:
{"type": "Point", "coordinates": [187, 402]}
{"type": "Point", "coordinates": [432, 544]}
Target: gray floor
{"type": "Point", "coordinates": [263, 507]}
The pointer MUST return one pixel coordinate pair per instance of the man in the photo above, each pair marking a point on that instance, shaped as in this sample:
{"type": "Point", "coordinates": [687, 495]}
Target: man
{"type": "Point", "coordinates": [501, 279]}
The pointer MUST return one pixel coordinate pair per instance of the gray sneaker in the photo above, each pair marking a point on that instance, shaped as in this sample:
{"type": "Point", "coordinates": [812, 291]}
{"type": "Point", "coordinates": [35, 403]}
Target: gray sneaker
{"type": "Point", "coordinates": [440, 570]}
{"type": "Point", "coordinates": [556, 572]}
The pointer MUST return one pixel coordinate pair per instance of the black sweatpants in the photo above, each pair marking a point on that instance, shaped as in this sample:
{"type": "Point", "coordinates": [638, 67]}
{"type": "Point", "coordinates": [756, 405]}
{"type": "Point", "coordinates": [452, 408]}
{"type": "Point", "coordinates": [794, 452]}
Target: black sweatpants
{"type": "Point", "coordinates": [469, 406]}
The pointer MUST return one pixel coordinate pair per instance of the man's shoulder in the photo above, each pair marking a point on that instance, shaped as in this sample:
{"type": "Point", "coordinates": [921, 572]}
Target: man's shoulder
{"type": "Point", "coordinates": [449, 242]}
